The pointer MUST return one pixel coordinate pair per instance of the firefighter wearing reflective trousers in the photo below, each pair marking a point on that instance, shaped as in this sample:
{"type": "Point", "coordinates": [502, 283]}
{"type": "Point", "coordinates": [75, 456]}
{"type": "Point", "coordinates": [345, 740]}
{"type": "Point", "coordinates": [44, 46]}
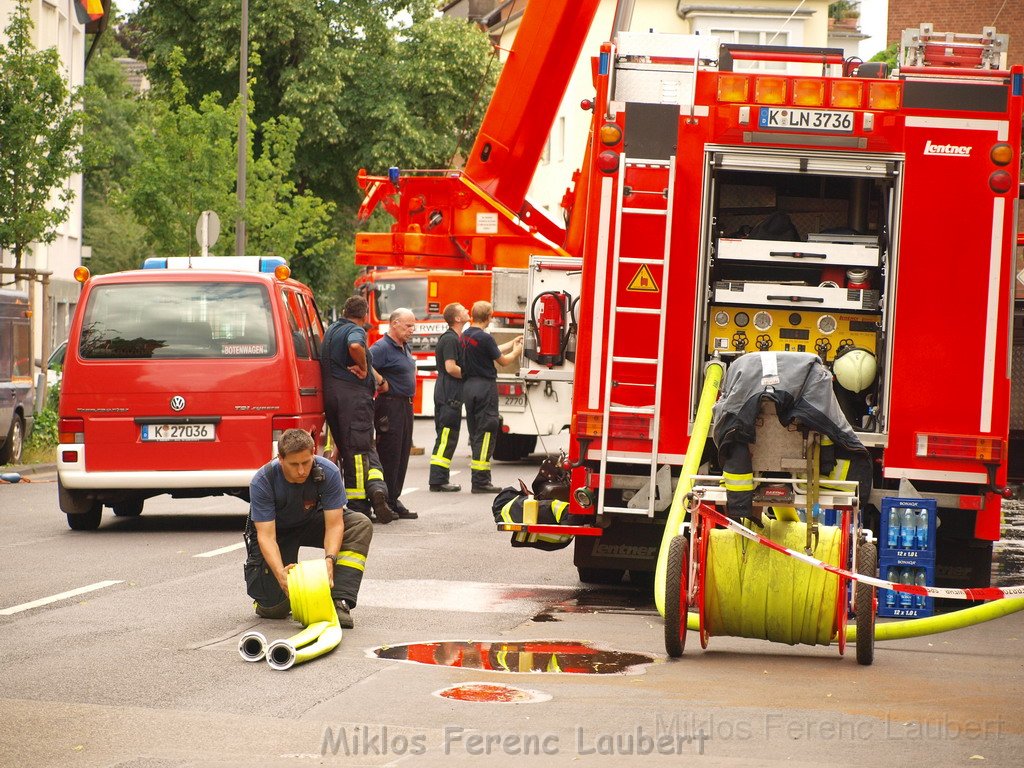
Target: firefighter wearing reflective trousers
{"type": "Point", "coordinates": [348, 405]}
{"type": "Point", "coordinates": [480, 391]}
{"type": "Point", "coordinates": [297, 500]}
{"type": "Point", "coordinates": [448, 398]}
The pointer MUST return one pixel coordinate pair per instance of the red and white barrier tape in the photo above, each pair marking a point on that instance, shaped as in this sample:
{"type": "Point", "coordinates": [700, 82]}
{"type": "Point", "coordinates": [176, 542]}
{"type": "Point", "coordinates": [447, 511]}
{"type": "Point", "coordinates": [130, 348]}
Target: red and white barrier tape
{"type": "Point", "coordinates": [980, 593]}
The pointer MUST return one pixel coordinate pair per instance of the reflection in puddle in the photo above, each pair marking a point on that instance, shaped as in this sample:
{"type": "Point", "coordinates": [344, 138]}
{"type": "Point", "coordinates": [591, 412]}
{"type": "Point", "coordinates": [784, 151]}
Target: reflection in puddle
{"type": "Point", "coordinates": [556, 656]}
{"type": "Point", "coordinates": [489, 693]}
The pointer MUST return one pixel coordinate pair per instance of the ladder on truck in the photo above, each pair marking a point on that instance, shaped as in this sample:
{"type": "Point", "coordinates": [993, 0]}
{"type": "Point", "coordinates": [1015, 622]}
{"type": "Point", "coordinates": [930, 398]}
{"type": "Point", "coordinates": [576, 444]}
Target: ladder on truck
{"type": "Point", "coordinates": [950, 52]}
{"type": "Point", "coordinates": [626, 216]}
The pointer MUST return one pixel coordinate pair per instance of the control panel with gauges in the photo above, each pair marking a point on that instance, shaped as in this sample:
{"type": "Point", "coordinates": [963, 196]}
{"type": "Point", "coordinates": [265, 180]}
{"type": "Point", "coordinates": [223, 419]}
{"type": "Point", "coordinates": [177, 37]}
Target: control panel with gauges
{"type": "Point", "coordinates": [736, 329]}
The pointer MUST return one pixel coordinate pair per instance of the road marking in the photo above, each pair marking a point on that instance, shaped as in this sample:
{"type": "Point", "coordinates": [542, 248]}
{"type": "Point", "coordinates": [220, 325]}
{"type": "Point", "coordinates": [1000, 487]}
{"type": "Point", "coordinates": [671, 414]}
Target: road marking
{"type": "Point", "coordinates": [407, 491]}
{"type": "Point", "coordinates": [222, 550]}
{"type": "Point", "coordinates": [461, 596]}
{"type": "Point", "coordinates": [55, 598]}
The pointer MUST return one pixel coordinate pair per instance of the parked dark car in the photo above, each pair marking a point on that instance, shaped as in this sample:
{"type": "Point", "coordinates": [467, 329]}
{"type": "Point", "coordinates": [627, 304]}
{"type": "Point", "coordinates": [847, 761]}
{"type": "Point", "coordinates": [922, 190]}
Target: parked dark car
{"type": "Point", "coordinates": [17, 394]}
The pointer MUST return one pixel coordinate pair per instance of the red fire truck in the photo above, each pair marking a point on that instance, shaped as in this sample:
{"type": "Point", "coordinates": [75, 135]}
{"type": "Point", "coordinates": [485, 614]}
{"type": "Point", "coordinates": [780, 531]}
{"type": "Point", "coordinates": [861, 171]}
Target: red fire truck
{"type": "Point", "coordinates": [742, 198]}
{"type": "Point", "coordinates": [472, 230]}
{"type": "Point", "coordinates": [750, 198]}
{"type": "Point", "coordinates": [386, 289]}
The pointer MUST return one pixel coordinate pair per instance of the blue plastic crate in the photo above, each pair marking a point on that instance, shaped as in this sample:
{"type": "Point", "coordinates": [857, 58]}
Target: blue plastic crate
{"type": "Point", "coordinates": [911, 548]}
{"type": "Point", "coordinates": [918, 607]}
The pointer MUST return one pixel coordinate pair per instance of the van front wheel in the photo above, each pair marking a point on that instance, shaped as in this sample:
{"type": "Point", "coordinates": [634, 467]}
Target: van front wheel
{"type": "Point", "coordinates": [13, 448]}
{"type": "Point", "coordinates": [87, 521]}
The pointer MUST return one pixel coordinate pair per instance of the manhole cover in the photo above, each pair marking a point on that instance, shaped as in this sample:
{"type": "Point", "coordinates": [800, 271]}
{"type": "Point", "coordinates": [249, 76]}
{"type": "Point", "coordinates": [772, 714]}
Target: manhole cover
{"type": "Point", "coordinates": [489, 693]}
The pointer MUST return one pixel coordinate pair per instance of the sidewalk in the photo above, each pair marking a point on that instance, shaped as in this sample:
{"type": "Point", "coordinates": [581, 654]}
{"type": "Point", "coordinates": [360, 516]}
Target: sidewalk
{"type": "Point", "coordinates": [27, 470]}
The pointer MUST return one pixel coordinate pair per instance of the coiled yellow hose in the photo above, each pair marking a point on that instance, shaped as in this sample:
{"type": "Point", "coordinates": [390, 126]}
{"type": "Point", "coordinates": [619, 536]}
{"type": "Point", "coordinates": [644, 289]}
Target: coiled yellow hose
{"type": "Point", "coordinates": [753, 591]}
{"type": "Point", "coordinates": [310, 594]}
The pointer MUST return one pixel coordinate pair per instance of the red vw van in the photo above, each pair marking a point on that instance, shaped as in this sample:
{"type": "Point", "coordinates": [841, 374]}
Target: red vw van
{"type": "Point", "coordinates": [179, 378]}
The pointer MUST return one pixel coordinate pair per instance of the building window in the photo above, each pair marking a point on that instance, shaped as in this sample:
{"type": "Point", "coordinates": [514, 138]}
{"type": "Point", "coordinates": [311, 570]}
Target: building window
{"type": "Point", "coordinates": [754, 37]}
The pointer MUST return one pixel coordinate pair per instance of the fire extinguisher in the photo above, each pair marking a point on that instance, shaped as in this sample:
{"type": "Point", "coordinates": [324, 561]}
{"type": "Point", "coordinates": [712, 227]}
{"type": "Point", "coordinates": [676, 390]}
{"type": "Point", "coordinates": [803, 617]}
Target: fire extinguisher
{"type": "Point", "coordinates": [550, 329]}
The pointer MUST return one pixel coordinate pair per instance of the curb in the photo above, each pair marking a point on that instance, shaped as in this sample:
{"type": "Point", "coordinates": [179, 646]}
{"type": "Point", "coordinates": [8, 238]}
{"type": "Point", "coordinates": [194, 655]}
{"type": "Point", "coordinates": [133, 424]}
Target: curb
{"type": "Point", "coordinates": [30, 469]}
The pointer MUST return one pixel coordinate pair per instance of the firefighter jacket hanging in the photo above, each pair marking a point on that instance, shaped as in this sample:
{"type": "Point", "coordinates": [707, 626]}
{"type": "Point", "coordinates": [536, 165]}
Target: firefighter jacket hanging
{"type": "Point", "coordinates": [801, 388]}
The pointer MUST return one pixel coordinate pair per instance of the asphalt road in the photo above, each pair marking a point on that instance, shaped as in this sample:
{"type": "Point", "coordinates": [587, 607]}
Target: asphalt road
{"type": "Point", "coordinates": [143, 670]}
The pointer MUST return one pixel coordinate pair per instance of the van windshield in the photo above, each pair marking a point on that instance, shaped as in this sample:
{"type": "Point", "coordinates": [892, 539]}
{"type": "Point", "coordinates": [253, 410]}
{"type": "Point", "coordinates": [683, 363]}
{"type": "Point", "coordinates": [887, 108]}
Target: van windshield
{"type": "Point", "coordinates": [178, 320]}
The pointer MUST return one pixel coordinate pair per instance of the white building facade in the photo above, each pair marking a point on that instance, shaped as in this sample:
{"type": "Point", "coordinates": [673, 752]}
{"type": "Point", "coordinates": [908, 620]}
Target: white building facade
{"type": "Point", "coordinates": [55, 25]}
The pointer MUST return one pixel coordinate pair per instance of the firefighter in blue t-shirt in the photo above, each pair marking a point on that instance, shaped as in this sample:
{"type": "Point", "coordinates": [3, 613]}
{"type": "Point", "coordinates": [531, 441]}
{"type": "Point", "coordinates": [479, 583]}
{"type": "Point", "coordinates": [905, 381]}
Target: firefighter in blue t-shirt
{"type": "Point", "coordinates": [480, 391]}
{"type": "Point", "coordinates": [297, 500]}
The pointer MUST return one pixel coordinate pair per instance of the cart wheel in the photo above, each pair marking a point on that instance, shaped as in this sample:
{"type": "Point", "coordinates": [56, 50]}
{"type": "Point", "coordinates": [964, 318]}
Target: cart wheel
{"type": "Point", "coordinates": [867, 562]}
{"type": "Point", "coordinates": [676, 590]}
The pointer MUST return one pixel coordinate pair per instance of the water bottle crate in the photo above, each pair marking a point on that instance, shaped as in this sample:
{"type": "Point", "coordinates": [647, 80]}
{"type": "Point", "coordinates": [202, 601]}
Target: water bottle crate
{"type": "Point", "coordinates": [908, 528]}
{"type": "Point", "coordinates": [919, 558]}
{"type": "Point", "coordinates": [892, 604]}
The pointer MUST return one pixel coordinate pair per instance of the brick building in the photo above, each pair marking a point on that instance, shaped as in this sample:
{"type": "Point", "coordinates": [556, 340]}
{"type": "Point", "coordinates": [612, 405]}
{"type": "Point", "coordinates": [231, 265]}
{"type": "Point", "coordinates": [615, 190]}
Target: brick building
{"type": "Point", "coordinates": [1007, 16]}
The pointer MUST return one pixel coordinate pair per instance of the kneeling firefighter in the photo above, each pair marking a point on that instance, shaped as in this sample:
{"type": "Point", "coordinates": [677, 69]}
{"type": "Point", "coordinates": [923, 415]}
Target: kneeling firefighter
{"type": "Point", "coordinates": [298, 500]}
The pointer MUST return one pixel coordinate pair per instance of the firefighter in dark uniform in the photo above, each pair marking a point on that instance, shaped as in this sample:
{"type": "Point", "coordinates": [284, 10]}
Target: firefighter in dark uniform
{"type": "Point", "coordinates": [480, 391]}
{"type": "Point", "coordinates": [348, 404]}
{"type": "Point", "coordinates": [297, 500]}
{"type": "Point", "coordinates": [395, 371]}
{"type": "Point", "coordinates": [448, 399]}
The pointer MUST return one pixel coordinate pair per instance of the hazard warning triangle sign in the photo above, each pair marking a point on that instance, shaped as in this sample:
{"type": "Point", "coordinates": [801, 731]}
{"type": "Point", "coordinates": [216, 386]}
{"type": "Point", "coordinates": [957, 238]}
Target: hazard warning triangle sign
{"type": "Point", "coordinates": [643, 281]}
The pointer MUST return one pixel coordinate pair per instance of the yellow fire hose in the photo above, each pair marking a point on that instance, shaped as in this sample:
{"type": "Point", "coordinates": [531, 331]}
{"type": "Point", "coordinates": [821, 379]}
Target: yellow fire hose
{"type": "Point", "coordinates": [310, 595]}
{"type": "Point", "coordinates": [677, 512]}
{"type": "Point", "coordinates": [753, 591]}
{"type": "Point", "coordinates": [932, 625]}
{"type": "Point", "coordinates": [677, 515]}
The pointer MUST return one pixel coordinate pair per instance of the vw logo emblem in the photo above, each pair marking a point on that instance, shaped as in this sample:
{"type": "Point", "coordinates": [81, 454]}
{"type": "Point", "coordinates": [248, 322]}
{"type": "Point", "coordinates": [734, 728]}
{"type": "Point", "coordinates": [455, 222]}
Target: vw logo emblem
{"type": "Point", "coordinates": [177, 403]}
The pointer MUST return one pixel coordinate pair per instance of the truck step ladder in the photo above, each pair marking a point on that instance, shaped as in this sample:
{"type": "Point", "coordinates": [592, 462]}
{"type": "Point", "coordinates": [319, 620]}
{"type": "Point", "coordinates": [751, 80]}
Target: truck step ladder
{"type": "Point", "coordinates": [625, 217]}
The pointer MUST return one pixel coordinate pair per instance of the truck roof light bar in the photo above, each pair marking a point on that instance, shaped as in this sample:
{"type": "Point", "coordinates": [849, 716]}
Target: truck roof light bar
{"type": "Point", "coordinates": [265, 264]}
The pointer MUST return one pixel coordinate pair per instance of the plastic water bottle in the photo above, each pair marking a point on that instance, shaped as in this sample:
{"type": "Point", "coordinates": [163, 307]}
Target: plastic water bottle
{"type": "Point", "coordinates": [893, 537]}
{"type": "Point", "coordinates": [922, 529]}
{"type": "Point", "coordinates": [907, 578]}
{"type": "Point", "coordinates": [921, 582]}
{"type": "Point", "coordinates": [890, 596]}
{"type": "Point", "coordinates": [907, 529]}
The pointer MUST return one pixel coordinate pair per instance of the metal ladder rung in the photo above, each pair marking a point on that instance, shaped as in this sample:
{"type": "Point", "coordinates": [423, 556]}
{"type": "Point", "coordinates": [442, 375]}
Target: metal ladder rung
{"type": "Point", "coordinates": [644, 360]}
{"type": "Point", "coordinates": [630, 260]}
{"type": "Point", "coordinates": [647, 211]}
{"type": "Point", "coordinates": [637, 310]}
{"type": "Point", "coordinates": [632, 409]}
{"type": "Point", "coordinates": [625, 510]}
{"type": "Point", "coordinates": [631, 460]}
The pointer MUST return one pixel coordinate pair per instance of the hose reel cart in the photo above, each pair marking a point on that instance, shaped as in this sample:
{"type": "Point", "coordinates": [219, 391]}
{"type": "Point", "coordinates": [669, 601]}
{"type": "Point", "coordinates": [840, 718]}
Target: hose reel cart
{"type": "Point", "coordinates": [757, 580]}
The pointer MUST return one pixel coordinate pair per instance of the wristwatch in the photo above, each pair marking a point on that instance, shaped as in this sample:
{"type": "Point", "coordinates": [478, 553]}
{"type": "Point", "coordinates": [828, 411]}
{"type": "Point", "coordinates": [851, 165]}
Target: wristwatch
{"type": "Point", "coordinates": [332, 558]}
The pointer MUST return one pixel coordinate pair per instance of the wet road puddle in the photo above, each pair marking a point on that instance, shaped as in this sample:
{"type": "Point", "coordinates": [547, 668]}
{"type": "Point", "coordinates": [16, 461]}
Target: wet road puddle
{"type": "Point", "coordinates": [545, 656]}
{"type": "Point", "coordinates": [489, 693]}
{"type": "Point", "coordinates": [602, 600]}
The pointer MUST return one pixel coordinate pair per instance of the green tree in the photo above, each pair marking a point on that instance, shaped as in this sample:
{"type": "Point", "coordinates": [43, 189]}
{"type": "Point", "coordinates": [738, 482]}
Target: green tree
{"type": "Point", "coordinates": [889, 55]}
{"type": "Point", "coordinates": [373, 82]}
{"type": "Point", "coordinates": [185, 163]}
{"type": "Point", "coordinates": [112, 113]}
{"type": "Point", "coordinates": [39, 139]}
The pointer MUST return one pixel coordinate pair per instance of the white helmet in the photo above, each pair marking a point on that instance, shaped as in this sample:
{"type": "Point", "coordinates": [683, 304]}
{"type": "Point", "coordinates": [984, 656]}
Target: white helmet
{"type": "Point", "coordinates": [855, 369]}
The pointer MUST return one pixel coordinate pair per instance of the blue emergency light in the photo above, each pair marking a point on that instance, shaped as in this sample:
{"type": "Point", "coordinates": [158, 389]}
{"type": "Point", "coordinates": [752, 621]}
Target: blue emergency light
{"type": "Point", "coordinates": [232, 263]}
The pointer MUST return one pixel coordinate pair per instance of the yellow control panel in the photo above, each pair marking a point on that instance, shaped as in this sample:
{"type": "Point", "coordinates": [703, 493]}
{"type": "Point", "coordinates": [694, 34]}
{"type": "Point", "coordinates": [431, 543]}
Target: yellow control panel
{"type": "Point", "coordinates": [735, 329]}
